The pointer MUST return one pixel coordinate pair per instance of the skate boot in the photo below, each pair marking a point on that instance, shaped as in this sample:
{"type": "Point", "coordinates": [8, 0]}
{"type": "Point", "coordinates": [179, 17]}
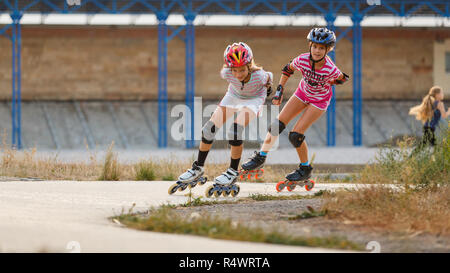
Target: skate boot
{"type": "Point", "coordinates": [253, 167]}
{"type": "Point", "coordinates": [301, 177]}
{"type": "Point", "coordinates": [189, 179]}
{"type": "Point", "coordinates": [224, 183]}
{"type": "Point", "coordinates": [302, 173]}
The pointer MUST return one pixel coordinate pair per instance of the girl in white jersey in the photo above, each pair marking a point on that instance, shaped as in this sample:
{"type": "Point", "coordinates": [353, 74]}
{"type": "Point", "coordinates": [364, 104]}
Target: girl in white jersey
{"type": "Point", "coordinates": [312, 97]}
{"type": "Point", "coordinates": [247, 91]}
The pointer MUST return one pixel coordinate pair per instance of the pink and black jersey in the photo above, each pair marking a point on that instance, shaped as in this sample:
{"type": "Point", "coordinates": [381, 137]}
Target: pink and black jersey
{"type": "Point", "coordinates": [316, 85]}
{"type": "Point", "coordinates": [254, 88]}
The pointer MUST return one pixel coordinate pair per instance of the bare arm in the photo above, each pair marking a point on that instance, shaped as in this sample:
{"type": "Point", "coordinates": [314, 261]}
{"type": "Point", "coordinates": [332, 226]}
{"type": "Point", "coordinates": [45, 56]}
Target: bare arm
{"type": "Point", "coordinates": [441, 108]}
{"type": "Point", "coordinates": [283, 80]}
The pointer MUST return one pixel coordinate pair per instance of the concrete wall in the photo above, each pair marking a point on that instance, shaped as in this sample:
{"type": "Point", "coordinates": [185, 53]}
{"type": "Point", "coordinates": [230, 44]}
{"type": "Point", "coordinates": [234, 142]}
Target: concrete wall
{"type": "Point", "coordinates": [120, 63]}
{"type": "Point", "coordinates": [441, 77]}
{"type": "Point", "coordinates": [134, 125]}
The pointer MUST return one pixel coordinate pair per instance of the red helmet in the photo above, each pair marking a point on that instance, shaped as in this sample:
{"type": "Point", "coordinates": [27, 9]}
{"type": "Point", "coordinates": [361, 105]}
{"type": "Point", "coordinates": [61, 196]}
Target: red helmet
{"type": "Point", "coordinates": [237, 54]}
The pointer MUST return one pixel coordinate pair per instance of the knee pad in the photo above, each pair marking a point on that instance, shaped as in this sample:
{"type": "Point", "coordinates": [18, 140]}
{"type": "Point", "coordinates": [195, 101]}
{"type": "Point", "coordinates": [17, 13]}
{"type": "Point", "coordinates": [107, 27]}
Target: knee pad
{"type": "Point", "coordinates": [235, 134]}
{"type": "Point", "coordinates": [296, 139]}
{"type": "Point", "coordinates": [208, 132]}
{"type": "Point", "coordinates": [273, 127]}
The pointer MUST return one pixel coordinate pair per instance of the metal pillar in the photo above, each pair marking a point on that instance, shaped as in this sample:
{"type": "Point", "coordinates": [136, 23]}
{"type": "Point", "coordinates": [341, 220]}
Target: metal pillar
{"type": "Point", "coordinates": [16, 109]}
{"type": "Point", "coordinates": [331, 111]}
{"type": "Point", "coordinates": [190, 78]}
{"type": "Point", "coordinates": [357, 88]}
{"type": "Point", "coordinates": [162, 79]}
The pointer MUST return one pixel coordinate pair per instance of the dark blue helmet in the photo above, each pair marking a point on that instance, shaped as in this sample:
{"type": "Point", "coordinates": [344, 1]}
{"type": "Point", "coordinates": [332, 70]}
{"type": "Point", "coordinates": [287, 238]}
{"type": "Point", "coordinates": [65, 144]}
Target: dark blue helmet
{"type": "Point", "coordinates": [322, 35]}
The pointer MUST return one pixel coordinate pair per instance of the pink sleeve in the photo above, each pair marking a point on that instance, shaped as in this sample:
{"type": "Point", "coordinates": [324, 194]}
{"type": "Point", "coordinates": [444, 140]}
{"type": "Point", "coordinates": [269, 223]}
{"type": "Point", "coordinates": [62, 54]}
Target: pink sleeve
{"type": "Point", "coordinates": [296, 63]}
{"type": "Point", "coordinates": [335, 73]}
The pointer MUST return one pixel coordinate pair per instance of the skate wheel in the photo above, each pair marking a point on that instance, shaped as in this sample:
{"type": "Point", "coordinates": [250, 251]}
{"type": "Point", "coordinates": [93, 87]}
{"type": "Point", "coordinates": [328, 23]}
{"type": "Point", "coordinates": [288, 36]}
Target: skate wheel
{"type": "Point", "coordinates": [217, 193]}
{"type": "Point", "coordinates": [262, 171]}
{"type": "Point", "coordinates": [256, 176]}
{"type": "Point", "coordinates": [310, 185]}
{"type": "Point", "coordinates": [173, 189]}
{"type": "Point", "coordinates": [203, 180]}
{"type": "Point", "coordinates": [209, 191]}
{"type": "Point", "coordinates": [280, 186]}
{"type": "Point", "coordinates": [290, 186]}
{"type": "Point", "coordinates": [242, 177]}
{"type": "Point", "coordinates": [235, 191]}
{"type": "Point", "coordinates": [249, 176]}
{"type": "Point", "coordinates": [225, 193]}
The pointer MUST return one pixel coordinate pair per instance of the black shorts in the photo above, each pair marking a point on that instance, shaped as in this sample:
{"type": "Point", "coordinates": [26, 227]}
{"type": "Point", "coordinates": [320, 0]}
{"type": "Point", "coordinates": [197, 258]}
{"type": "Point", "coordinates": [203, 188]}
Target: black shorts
{"type": "Point", "coordinates": [428, 136]}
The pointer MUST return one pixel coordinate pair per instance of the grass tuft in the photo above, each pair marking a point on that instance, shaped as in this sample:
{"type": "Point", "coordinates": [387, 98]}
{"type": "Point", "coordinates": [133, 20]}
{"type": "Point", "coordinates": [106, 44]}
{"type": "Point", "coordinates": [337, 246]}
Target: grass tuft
{"type": "Point", "coordinates": [268, 197]}
{"type": "Point", "coordinates": [311, 213]}
{"type": "Point", "coordinates": [166, 220]}
{"type": "Point", "coordinates": [111, 168]}
{"type": "Point", "coordinates": [145, 170]}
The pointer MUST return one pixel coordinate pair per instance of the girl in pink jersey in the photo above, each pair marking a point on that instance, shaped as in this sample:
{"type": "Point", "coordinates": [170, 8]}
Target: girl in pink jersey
{"type": "Point", "coordinates": [247, 91]}
{"type": "Point", "coordinates": [312, 97]}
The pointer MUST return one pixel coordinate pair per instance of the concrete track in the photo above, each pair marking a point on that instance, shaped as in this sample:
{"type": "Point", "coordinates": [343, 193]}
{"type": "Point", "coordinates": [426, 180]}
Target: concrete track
{"type": "Point", "coordinates": [54, 216]}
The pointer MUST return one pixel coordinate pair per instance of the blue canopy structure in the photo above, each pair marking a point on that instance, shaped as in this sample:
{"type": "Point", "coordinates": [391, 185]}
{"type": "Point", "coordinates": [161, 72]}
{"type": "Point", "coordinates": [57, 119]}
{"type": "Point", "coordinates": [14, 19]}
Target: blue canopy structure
{"type": "Point", "coordinates": [329, 9]}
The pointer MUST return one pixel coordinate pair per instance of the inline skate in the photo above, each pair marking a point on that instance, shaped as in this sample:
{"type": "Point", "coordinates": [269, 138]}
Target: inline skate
{"type": "Point", "coordinates": [253, 167]}
{"type": "Point", "coordinates": [224, 184]}
{"type": "Point", "coordinates": [189, 179]}
{"type": "Point", "coordinates": [300, 177]}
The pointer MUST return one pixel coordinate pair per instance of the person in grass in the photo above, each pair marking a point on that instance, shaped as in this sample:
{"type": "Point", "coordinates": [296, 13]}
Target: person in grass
{"type": "Point", "coordinates": [430, 112]}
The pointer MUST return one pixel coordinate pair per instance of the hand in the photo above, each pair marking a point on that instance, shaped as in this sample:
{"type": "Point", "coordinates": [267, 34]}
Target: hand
{"type": "Point", "coordinates": [341, 81]}
{"type": "Point", "coordinates": [278, 97]}
{"type": "Point", "coordinates": [269, 90]}
{"type": "Point", "coordinates": [277, 101]}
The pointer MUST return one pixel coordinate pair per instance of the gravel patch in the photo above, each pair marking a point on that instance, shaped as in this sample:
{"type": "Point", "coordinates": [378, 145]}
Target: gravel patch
{"type": "Point", "coordinates": [282, 215]}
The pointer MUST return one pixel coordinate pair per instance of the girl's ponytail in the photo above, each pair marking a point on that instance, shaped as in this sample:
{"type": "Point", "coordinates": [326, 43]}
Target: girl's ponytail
{"type": "Point", "coordinates": [424, 111]}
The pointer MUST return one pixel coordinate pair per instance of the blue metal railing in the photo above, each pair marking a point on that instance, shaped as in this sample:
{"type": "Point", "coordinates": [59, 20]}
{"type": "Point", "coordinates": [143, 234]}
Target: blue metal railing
{"type": "Point", "coordinates": [358, 9]}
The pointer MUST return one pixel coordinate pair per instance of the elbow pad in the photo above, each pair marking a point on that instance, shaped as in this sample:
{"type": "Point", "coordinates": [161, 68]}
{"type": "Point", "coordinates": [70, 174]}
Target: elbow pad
{"type": "Point", "coordinates": [287, 70]}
